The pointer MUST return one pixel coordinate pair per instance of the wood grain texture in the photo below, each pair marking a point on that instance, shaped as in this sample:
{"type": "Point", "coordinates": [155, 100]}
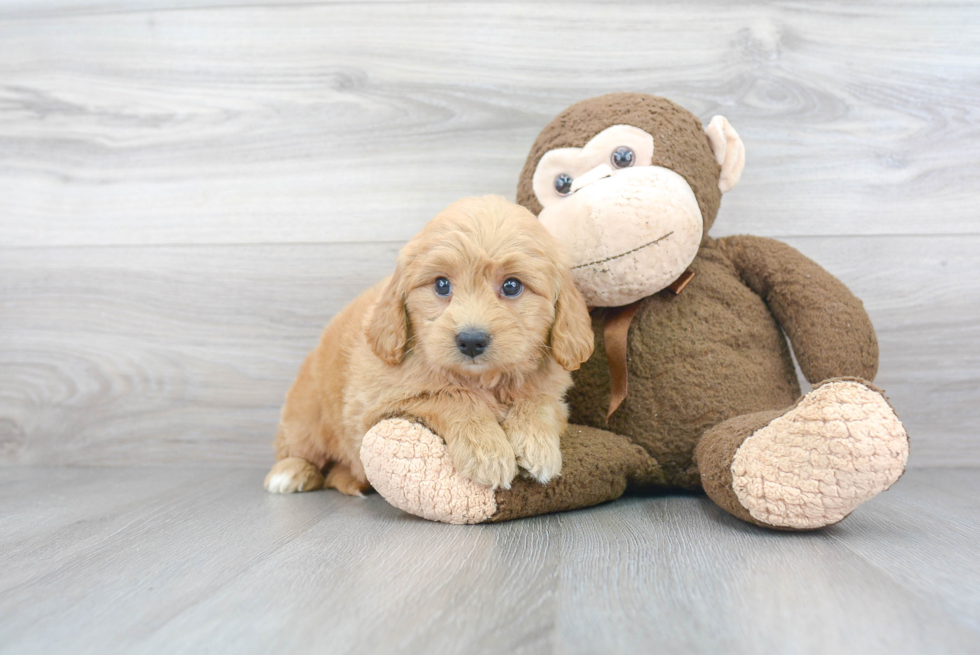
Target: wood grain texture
{"type": "Point", "coordinates": [211, 561]}
{"type": "Point", "coordinates": [703, 582]}
{"type": "Point", "coordinates": [184, 354]}
{"type": "Point", "coordinates": [158, 355]}
{"type": "Point", "coordinates": [936, 505]}
{"type": "Point", "coordinates": [158, 122]}
{"type": "Point", "coordinates": [192, 559]}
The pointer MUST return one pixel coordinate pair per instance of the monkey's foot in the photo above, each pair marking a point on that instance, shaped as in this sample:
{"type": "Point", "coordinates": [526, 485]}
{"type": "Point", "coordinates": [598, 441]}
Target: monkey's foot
{"type": "Point", "coordinates": [410, 467]}
{"type": "Point", "coordinates": [840, 446]}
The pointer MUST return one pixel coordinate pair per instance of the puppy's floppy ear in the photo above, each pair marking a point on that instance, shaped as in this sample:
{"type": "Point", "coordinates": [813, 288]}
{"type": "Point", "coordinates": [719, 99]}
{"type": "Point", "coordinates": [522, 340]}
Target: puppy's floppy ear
{"type": "Point", "coordinates": [572, 340]}
{"type": "Point", "coordinates": [387, 327]}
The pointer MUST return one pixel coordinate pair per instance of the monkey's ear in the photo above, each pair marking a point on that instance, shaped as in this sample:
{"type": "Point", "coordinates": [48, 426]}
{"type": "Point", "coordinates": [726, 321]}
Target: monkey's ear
{"type": "Point", "coordinates": [387, 327]}
{"type": "Point", "coordinates": [572, 340]}
{"type": "Point", "coordinates": [729, 152]}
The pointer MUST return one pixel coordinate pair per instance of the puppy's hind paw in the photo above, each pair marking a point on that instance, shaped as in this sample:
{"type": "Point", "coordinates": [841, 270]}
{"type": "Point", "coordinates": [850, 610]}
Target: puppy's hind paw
{"type": "Point", "coordinates": [291, 475]}
{"type": "Point", "coordinates": [341, 478]}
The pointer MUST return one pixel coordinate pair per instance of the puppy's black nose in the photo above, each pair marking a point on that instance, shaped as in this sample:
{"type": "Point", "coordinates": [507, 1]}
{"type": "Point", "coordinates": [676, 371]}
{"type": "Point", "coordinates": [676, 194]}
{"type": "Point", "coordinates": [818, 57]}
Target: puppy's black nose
{"type": "Point", "coordinates": [472, 342]}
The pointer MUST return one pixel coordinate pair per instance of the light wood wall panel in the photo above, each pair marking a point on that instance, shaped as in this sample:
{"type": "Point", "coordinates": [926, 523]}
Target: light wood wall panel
{"type": "Point", "coordinates": [189, 190]}
{"type": "Point", "coordinates": [162, 354]}
{"type": "Point", "coordinates": [169, 354]}
{"type": "Point", "coordinates": [150, 123]}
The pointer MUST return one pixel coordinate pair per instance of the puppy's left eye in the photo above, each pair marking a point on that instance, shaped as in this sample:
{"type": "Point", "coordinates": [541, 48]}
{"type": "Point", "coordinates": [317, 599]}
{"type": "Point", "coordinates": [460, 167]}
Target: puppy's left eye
{"type": "Point", "coordinates": [443, 287]}
{"type": "Point", "coordinates": [512, 287]}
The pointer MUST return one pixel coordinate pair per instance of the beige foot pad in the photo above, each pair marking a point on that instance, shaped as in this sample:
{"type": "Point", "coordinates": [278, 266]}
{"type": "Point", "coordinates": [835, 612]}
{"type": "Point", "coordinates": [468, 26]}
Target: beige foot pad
{"type": "Point", "coordinates": [410, 467]}
{"type": "Point", "coordinates": [840, 446]}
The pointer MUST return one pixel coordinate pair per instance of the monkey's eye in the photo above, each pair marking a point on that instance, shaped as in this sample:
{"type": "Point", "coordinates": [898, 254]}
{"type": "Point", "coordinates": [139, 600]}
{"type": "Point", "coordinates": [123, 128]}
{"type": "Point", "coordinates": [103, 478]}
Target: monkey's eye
{"type": "Point", "coordinates": [512, 287]}
{"type": "Point", "coordinates": [443, 287]}
{"type": "Point", "coordinates": [563, 184]}
{"type": "Point", "coordinates": [622, 157]}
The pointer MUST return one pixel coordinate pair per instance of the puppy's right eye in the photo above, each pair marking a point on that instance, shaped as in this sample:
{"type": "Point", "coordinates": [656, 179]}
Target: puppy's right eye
{"type": "Point", "coordinates": [563, 184]}
{"type": "Point", "coordinates": [512, 287]}
{"type": "Point", "coordinates": [443, 287]}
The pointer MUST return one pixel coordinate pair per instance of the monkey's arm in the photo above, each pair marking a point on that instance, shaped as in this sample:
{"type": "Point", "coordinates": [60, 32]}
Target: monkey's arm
{"type": "Point", "coordinates": [831, 333]}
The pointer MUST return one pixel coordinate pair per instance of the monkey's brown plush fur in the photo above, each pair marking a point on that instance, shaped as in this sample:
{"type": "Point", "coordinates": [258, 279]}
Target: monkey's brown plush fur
{"type": "Point", "coordinates": [713, 401]}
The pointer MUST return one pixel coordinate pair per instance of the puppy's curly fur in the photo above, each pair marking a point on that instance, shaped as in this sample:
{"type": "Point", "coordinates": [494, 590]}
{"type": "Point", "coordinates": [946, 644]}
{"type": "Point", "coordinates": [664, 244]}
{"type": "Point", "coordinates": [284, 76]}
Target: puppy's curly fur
{"type": "Point", "coordinates": [394, 352]}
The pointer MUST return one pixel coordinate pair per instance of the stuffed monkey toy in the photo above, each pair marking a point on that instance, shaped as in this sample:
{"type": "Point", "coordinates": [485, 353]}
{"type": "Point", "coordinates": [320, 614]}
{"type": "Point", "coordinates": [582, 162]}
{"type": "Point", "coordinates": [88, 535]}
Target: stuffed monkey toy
{"type": "Point", "coordinates": [692, 384]}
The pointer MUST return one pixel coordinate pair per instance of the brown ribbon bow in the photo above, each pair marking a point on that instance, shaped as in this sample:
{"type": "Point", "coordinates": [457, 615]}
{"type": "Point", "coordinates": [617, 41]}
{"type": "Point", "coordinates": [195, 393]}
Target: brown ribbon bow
{"type": "Point", "coordinates": [615, 334]}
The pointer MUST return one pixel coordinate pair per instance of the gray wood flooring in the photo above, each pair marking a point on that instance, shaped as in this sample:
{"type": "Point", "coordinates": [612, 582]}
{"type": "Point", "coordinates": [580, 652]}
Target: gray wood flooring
{"type": "Point", "coordinates": [193, 560]}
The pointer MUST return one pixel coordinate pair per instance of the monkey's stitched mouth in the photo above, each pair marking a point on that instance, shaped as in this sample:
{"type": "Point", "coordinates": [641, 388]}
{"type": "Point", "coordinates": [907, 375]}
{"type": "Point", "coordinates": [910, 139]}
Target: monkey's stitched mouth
{"type": "Point", "coordinates": [623, 254]}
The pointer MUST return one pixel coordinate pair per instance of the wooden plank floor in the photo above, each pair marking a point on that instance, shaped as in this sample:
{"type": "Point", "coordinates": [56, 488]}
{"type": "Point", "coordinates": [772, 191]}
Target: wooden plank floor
{"type": "Point", "coordinates": [175, 560]}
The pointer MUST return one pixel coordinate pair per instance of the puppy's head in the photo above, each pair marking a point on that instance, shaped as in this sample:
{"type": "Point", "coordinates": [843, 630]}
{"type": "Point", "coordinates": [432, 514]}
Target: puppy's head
{"type": "Point", "coordinates": [483, 287]}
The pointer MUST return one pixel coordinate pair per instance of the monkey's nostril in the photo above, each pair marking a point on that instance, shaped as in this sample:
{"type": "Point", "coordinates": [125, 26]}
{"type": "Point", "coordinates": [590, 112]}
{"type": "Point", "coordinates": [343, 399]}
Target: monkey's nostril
{"type": "Point", "coordinates": [472, 342]}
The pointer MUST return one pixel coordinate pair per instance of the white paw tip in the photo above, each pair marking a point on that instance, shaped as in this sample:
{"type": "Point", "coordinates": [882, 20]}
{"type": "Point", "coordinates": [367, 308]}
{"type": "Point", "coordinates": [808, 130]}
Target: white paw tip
{"type": "Point", "coordinates": [279, 483]}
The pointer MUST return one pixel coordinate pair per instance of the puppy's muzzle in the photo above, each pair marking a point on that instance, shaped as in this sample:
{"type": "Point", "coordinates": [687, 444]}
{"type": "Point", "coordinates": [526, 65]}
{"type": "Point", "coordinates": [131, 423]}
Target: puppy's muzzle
{"type": "Point", "coordinates": [472, 343]}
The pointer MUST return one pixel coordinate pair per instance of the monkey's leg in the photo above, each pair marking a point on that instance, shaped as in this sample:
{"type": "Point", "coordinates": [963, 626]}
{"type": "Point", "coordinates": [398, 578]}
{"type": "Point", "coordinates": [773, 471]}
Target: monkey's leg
{"type": "Point", "coordinates": [411, 468]}
{"type": "Point", "coordinates": [810, 465]}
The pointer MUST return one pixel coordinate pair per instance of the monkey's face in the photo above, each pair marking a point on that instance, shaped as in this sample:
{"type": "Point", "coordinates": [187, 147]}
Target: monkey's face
{"type": "Point", "coordinates": [631, 227]}
{"type": "Point", "coordinates": [630, 183]}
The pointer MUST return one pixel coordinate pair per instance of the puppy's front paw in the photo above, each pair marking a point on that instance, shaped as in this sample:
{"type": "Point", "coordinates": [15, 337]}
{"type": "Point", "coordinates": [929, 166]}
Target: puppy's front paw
{"type": "Point", "coordinates": [539, 455]}
{"type": "Point", "coordinates": [534, 429]}
{"type": "Point", "coordinates": [291, 475]}
{"type": "Point", "coordinates": [486, 459]}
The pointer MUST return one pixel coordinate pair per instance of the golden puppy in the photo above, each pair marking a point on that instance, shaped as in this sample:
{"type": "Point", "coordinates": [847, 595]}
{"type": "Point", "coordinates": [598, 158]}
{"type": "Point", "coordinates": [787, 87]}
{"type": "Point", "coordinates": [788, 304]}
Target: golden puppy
{"type": "Point", "coordinates": [473, 335]}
